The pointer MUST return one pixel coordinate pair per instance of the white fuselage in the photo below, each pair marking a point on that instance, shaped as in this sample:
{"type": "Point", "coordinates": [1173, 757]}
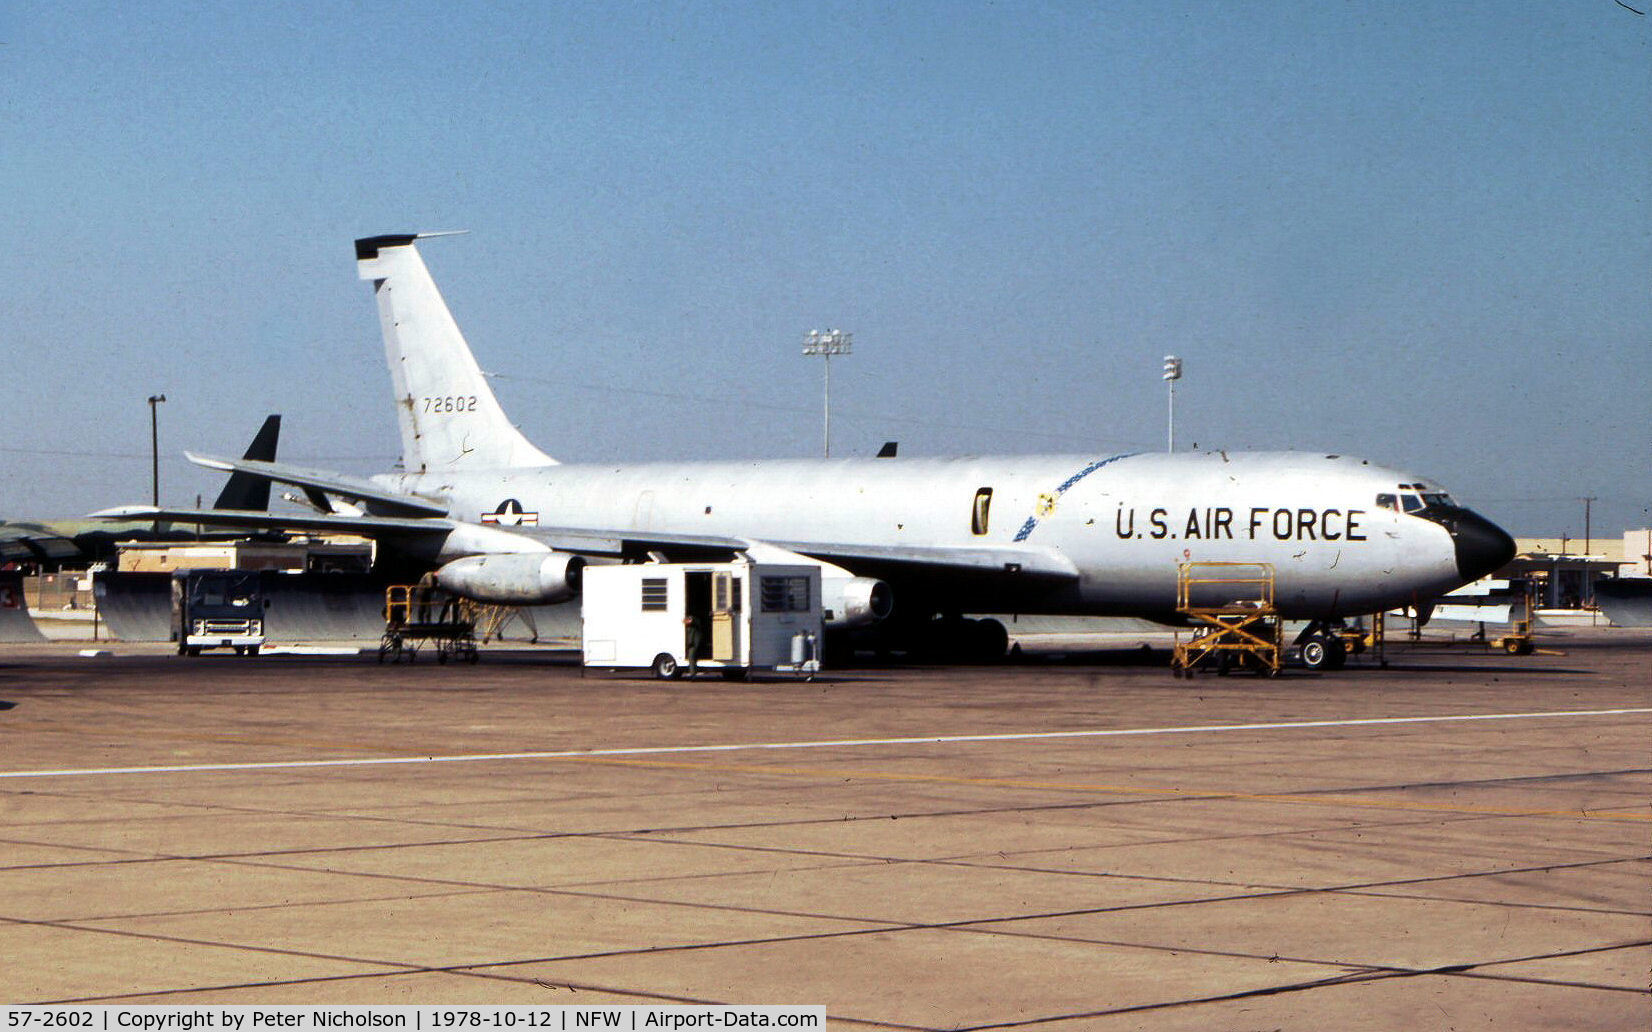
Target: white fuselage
{"type": "Point", "coordinates": [1124, 522]}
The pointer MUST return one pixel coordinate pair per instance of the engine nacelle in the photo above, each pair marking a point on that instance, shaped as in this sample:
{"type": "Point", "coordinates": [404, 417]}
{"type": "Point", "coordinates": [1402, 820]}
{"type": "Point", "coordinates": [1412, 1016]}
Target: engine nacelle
{"type": "Point", "coordinates": [515, 579]}
{"type": "Point", "coordinates": [855, 601]}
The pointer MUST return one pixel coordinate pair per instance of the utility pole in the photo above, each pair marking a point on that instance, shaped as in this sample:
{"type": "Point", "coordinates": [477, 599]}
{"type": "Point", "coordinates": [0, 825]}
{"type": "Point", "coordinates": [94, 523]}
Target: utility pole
{"type": "Point", "coordinates": [827, 343]}
{"type": "Point", "coordinates": [1587, 529]}
{"type": "Point", "coordinates": [1172, 373]}
{"type": "Point", "coordinates": [155, 450]}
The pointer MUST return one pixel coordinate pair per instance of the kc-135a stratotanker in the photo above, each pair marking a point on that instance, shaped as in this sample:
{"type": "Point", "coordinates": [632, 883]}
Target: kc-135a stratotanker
{"type": "Point", "coordinates": [906, 545]}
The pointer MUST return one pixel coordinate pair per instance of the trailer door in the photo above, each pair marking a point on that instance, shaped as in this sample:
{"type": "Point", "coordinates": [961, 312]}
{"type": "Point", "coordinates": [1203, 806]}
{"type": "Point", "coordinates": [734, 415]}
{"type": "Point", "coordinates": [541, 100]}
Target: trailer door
{"type": "Point", "coordinates": [725, 616]}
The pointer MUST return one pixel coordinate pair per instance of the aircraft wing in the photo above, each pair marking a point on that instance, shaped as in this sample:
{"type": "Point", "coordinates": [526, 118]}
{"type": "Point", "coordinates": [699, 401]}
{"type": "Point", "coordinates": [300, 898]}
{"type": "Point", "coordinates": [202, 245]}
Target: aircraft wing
{"type": "Point", "coordinates": [325, 523]}
{"type": "Point", "coordinates": [983, 559]}
{"type": "Point", "coordinates": [989, 560]}
{"type": "Point", "coordinates": [36, 542]}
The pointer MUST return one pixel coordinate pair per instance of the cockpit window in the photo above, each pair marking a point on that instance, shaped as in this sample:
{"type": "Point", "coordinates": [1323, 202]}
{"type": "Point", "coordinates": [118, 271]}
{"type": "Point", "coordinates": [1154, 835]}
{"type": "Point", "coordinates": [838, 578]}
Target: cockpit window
{"type": "Point", "coordinates": [1411, 502]}
{"type": "Point", "coordinates": [1437, 498]}
{"type": "Point", "coordinates": [1387, 501]}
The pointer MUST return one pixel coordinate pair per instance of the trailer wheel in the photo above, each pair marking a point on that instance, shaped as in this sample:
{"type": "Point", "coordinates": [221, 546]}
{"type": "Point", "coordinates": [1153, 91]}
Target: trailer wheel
{"type": "Point", "coordinates": [666, 667]}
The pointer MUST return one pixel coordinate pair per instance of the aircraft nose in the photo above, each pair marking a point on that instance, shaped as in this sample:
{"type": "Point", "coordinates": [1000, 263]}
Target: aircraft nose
{"type": "Point", "coordinates": [1482, 546]}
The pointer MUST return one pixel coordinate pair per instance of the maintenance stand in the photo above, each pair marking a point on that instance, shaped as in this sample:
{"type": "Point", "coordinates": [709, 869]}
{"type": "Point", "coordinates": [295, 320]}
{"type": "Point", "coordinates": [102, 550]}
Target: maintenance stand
{"type": "Point", "coordinates": [1235, 621]}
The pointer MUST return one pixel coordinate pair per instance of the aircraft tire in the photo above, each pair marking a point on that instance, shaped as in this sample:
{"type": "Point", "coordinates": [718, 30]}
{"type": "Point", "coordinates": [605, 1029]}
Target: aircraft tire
{"type": "Point", "coordinates": [666, 667]}
{"type": "Point", "coordinates": [1324, 652]}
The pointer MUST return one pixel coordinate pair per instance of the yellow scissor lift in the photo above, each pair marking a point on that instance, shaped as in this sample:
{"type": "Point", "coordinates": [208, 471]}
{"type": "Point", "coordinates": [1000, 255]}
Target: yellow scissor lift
{"type": "Point", "coordinates": [1236, 623]}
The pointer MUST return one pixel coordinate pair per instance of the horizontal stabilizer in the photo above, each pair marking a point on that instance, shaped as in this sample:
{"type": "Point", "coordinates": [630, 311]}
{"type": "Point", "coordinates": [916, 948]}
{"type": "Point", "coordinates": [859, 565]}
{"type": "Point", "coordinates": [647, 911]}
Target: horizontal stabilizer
{"type": "Point", "coordinates": [375, 498]}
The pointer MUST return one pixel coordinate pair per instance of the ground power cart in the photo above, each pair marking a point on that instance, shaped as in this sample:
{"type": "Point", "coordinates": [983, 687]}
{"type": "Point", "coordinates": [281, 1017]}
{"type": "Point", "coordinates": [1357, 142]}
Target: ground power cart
{"type": "Point", "coordinates": [673, 618]}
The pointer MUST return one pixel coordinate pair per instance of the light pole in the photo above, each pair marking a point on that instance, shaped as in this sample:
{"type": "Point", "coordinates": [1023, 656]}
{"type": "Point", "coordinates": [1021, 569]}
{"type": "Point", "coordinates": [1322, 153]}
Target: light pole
{"type": "Point", "coordinates": [1172, 373]}
{"type": "Point", "coordinates": [827, 343]}
{"type": "Point", "coordinates": [155, 450]}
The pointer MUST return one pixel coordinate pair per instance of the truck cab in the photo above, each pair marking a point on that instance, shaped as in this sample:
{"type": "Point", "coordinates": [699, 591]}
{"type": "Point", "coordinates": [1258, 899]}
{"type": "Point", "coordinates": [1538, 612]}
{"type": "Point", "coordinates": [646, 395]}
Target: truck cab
{"type": "Point", "coordinates": [214, 609]}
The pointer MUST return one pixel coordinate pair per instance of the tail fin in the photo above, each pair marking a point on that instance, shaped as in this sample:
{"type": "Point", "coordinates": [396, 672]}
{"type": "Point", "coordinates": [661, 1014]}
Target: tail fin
{"type": "Point", "coordinates": [246, 490]}
{"type": "Point", "coordinates": [449, 418]}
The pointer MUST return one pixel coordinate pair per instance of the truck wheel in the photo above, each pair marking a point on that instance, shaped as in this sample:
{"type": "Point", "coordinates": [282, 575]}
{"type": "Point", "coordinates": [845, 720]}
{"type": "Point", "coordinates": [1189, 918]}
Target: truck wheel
{"type": "Point", "coordinates": [666, 667]}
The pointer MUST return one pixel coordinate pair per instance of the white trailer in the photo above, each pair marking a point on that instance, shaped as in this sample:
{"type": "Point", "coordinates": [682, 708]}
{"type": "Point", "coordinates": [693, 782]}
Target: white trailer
{"type": "Point", "coordinates": [734, 617]}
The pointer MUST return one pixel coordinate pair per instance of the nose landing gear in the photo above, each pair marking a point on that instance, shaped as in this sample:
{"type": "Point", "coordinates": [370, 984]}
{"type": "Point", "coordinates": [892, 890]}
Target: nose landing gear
{"type": "Point", "coordinates": [1326, 645]}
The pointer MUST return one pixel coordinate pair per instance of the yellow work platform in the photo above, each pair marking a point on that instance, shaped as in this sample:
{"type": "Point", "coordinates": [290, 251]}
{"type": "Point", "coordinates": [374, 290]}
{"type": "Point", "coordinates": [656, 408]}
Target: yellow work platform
{"type": "Point", "coordinates": [1236, 624]}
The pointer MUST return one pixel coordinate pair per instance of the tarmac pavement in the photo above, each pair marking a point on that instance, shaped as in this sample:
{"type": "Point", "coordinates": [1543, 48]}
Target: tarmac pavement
{"type": "Point", "coordinates": [1462, 840]}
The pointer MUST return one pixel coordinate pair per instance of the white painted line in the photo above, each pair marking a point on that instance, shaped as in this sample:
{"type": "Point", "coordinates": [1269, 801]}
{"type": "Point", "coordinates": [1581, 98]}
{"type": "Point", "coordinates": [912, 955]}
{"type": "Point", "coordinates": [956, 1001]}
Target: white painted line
{"type": "Point", "coordinates": [312, 650]}
{"type": "Point", "coordinates": [659, 750]}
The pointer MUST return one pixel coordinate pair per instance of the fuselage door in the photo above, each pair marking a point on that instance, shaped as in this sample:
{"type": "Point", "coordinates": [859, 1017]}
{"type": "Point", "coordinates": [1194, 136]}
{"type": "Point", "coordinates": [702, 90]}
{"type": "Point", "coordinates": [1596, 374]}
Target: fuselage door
{"type": "Point", "coordinates": [980, 512]}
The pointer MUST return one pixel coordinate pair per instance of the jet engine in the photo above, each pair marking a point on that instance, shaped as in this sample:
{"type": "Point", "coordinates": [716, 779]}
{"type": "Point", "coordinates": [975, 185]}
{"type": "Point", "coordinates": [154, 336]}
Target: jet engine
{"type": "Point", "coordinates": [515, 579]}
{"type": "Point", "coordinates": [855, 601]}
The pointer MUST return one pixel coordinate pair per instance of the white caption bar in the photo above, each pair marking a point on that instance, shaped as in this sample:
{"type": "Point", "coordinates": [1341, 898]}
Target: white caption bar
{"type": "Point", "coordinates": [238, 1018]}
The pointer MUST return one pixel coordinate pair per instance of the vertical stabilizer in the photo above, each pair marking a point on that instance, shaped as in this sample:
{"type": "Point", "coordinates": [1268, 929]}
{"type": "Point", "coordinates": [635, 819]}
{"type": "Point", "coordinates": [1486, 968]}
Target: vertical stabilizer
{"type": "Point", "coordinates": [248, 490]}
{"type": "Point", "coordinates": [450, 420]}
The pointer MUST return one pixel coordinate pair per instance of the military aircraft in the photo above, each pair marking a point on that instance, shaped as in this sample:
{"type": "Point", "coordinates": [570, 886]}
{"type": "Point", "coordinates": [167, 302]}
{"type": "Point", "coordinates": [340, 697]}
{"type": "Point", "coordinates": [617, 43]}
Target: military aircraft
{"type": "Point", "coordinates": [906, 545]}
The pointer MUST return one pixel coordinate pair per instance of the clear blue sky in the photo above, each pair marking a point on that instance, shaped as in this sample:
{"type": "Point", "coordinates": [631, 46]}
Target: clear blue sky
{"type": "Point", "coordinates": [1419, 233]}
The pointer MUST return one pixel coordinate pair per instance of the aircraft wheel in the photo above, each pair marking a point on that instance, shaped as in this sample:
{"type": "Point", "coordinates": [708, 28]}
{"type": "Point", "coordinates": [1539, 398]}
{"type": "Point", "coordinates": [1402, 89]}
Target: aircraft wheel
{"type": "Point", "coordinates": [1323, 653]}
{"type": "Point", "coordinates": [666, 667]}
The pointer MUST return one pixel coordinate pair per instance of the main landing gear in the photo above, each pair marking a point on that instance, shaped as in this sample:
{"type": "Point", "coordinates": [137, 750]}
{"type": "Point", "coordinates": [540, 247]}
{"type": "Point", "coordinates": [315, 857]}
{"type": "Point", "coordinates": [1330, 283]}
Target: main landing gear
{"type": "Point", "coordinates": [943, 638]}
